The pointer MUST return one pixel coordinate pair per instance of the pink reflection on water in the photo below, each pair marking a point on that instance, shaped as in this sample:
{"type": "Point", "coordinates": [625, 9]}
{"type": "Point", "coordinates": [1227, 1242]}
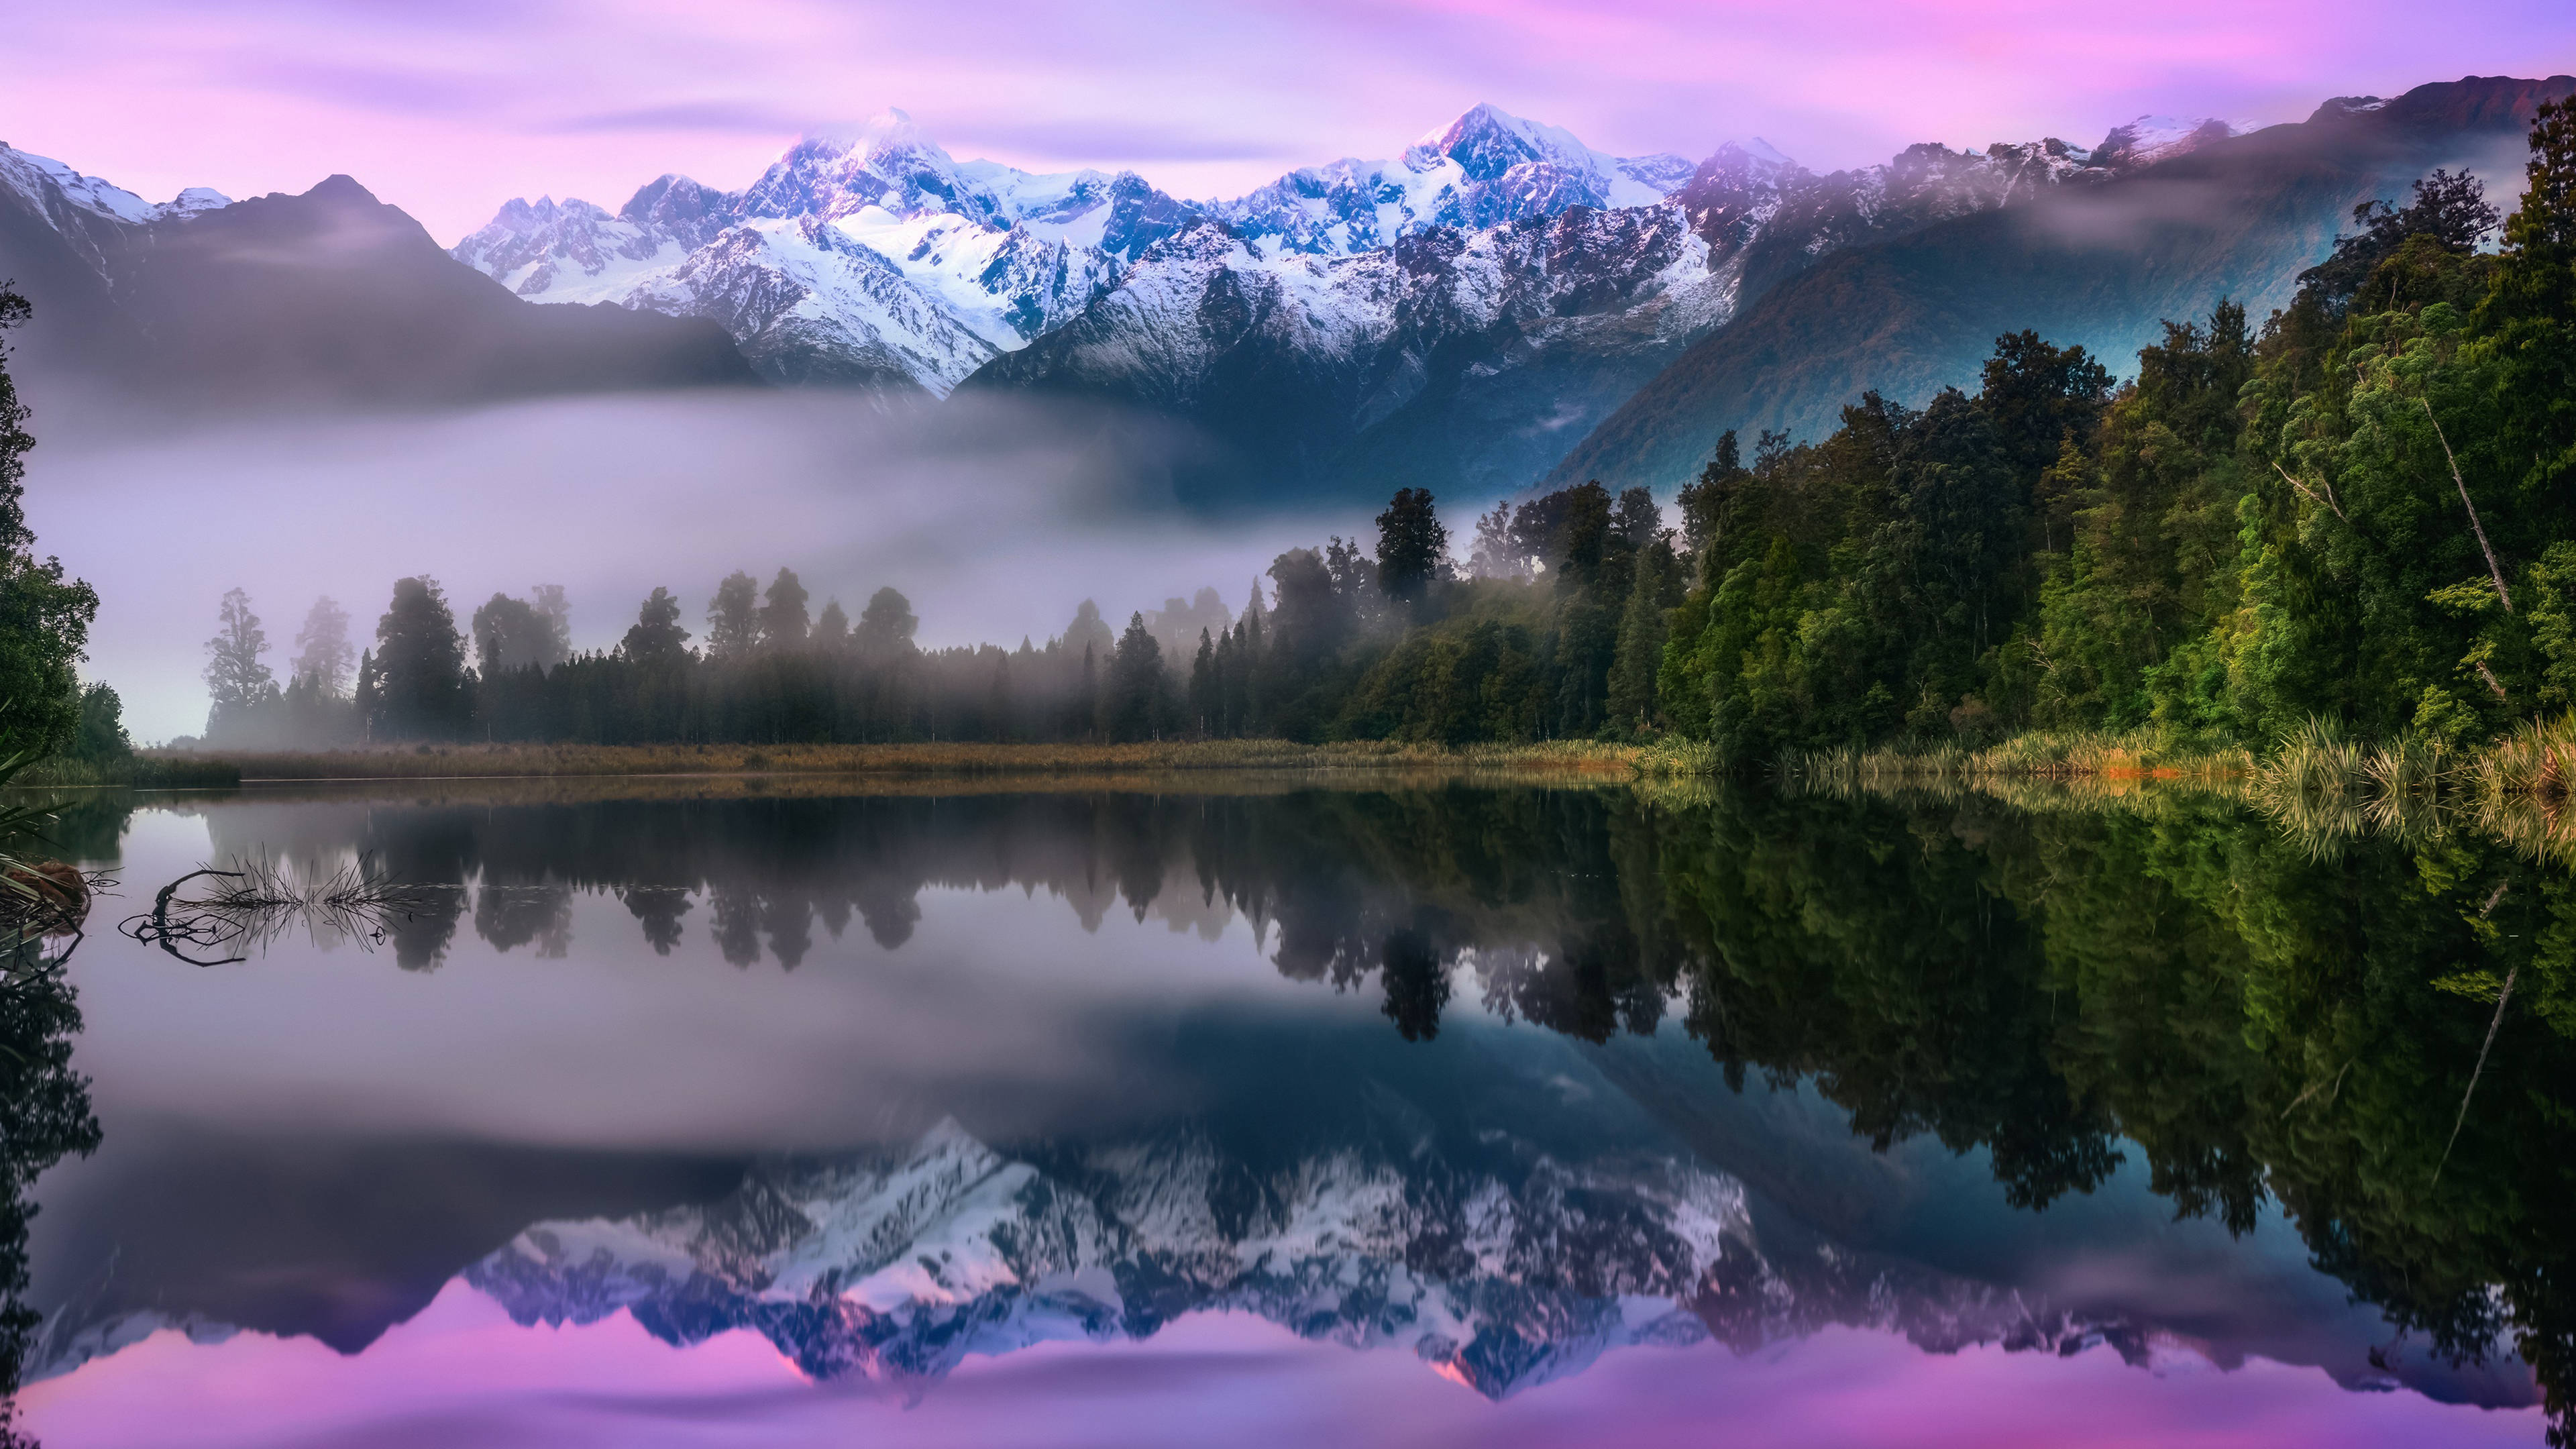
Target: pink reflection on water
{"type": "Point", "coordinates": [462, 1373]}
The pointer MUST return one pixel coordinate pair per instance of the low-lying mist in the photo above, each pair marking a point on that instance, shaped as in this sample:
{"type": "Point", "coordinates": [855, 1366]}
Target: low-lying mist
{"type": "Point", "coordinates": [995, 516]}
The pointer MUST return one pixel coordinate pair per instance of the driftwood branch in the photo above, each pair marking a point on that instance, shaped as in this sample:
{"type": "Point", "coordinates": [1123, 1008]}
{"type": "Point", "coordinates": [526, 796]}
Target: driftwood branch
{"type": "Point", "coordinates": [2475, 527]}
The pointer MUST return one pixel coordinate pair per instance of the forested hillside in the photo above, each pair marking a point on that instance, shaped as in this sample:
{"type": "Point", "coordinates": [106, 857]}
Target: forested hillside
{"type": "Point", "coordinates": [2090, 266]}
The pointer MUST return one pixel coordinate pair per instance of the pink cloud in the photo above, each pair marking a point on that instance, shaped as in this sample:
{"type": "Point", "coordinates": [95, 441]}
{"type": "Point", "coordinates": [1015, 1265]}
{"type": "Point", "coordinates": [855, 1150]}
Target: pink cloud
{"type": "Point", "coordinates": [460, 1372]}
{"type": "Point", "coordinates": [448, 109]}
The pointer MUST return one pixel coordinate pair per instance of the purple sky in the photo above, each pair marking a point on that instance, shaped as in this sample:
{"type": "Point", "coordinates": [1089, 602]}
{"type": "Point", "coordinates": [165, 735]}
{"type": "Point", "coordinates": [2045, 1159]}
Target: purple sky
{"type": "Point", "coordinates": [448, 107]}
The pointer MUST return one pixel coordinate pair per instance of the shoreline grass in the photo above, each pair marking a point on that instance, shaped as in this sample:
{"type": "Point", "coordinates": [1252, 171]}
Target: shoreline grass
{"type": "Point", "coordinates": [144, 770]}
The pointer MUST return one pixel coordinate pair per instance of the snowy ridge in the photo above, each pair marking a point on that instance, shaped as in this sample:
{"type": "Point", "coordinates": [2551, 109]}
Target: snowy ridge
{"type": "Point", "coordinates": [67, 199]}
{"type": "Point", "coordinates": [871, 257]}
{"type": "Point", "coordinates": [1485, 169]}
{"type": "Point", "coordinates": [980, 259]}
{"type": "Point", "coordinates": [893, 1267]}
{"type": "Point", "coordinates": [2150, 139]}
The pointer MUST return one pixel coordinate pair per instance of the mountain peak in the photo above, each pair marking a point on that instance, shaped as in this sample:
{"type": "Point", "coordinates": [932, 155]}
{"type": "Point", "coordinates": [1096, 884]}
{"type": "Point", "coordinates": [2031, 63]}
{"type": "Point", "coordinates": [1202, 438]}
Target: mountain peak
{"type": "Point", "coordinates": [890, 132]}
{"type": "Point", "coordinates": [341, 188]}
{"type": "Point", "coordinates": [2150, 139]}
{"type": "Point", "coordinates": [1487, 141]}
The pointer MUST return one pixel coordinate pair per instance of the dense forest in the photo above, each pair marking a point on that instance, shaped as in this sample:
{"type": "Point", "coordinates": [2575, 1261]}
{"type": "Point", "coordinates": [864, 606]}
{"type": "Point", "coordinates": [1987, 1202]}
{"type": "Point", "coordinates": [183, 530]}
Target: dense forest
{"type": "Point", "coordinates": [2361, 511]}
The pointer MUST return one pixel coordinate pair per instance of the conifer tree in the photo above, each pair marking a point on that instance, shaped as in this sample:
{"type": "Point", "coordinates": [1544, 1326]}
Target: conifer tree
{"type": "Point", "coordinates": [783, 623]}
{"type": "Point", "coordinates": [733, 619]}
{"type": "Point", "coordinates": [656, 640]}
{"type": "Point", "coordinates": [420, 666]}
{"type": "Point", "coordinates": [1204, 703]}
{"type": "Point", "coordinates": [1135, 688]}
{"type": "Point", "coordinates": [1412, 546]}
{"type": "Point", "coordinates": [831, 628]}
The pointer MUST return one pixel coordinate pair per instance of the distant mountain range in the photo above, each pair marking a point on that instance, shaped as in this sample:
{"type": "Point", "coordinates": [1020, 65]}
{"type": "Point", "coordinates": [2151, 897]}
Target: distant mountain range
{"type": "Point", "coordinates": [1497, 305]}
{"type": "Point", "coordinates": [328, 298]}
{"type": "Point", "coordinates": [1456, 317]}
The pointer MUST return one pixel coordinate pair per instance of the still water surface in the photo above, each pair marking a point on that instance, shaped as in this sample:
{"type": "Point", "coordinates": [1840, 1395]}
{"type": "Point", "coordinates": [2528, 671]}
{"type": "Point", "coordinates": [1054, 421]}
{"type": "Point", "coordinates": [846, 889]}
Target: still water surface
{"type": "Point", "coordinates": [1418, 1114]}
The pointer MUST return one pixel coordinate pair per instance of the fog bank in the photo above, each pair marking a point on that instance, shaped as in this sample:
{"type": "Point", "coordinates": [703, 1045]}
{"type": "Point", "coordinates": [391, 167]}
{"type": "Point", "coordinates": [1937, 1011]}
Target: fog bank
{"type": "Point", "coordinates": [995, 516]}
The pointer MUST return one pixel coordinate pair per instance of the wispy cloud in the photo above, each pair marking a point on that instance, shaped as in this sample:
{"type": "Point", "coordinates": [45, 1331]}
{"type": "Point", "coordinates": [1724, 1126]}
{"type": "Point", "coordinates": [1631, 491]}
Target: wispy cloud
{"type": "Point", "coordinates": [447, 109]}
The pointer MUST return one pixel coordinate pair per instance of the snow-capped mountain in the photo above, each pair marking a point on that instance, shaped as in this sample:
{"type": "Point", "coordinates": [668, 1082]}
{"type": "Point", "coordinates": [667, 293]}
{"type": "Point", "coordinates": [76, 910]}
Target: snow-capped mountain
{"type": "Point", "coordinates": [1468, 358]}
{"type": "Point", "coordinates": [1486, 168]}
{"type": "Point", "coordinates": [91, 216]}
{"type": "Point", "coordinates": [1470, 306]}
{"type": "Point", "coordinates": [893, 1267]}
{"type": "Point", "coordinates": [2150, 139]}
{"type": "Point", "coordinates": [878, 258]}
{"type": "Point", "coordinates": [64, 195]}
{"type": "Point", "coordinates": [1454, 358]}
{"type": "Point", "coordinates": [872, 257]}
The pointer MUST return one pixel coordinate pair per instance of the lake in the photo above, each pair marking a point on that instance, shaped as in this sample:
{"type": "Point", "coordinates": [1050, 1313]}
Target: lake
{"type": "Point", "coordinates": [1409, 1110]}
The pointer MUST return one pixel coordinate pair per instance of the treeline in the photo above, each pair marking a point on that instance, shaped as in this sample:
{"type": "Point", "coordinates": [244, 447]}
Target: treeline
{"type": "Point", "coordinates": [2363, 510]}
{"type": "Point", "coordinates": [1343, 644]}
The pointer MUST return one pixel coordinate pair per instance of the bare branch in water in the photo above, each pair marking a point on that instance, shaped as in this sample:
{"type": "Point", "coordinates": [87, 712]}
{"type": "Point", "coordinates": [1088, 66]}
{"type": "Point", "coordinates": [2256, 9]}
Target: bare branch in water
{"type": "Point", "coordinates": [261, 902]}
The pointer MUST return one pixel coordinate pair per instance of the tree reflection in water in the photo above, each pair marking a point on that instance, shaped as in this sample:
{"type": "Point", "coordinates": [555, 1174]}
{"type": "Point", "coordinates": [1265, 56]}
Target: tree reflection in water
{"type": "Point", "coordinates": [2055, 985]}
{"type": "Point", "coordinates": [44, 1117]}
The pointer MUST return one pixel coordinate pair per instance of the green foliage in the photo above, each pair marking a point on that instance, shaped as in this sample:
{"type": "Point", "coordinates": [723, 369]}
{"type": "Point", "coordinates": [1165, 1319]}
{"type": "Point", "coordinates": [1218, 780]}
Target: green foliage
{"type": "Point", "coordinates": [101, 736]}
{"type": "Point", "coordinates": [1412, 546]}
{"type": "Point", "coordinates": [2365, 513]}
{"type": "Point", "coordinates": [44, 615]}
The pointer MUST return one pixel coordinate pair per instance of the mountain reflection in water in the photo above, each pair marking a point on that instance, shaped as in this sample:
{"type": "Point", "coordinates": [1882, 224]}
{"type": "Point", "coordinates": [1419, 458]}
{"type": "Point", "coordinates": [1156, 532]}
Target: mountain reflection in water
{"type": "Point", "coordinates": [1524, 1076]}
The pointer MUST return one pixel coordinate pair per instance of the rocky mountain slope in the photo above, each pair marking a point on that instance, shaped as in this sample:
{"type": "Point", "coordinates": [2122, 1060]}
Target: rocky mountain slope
{"type": "Point", "coordinates": [327, 297]}
{"type": "Point", "coordinates": [2206, 217]}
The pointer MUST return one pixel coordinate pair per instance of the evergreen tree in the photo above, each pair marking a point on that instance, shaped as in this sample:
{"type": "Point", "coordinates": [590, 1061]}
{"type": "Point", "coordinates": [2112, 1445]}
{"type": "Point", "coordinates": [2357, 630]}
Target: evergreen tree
{"type": "Point", "coordinates": [1412, 547]}
{"type": "Point", "coordinates": [1133, 708]}
{"type": "Point", "coordinates": [886, 627]}
{"type": "Point", "coordinates": [1085, 716]}
{"type": "Point", "coordinates": [656, 640]}
{"type": "Point", "coordinates": [733, 619]}
{"type": "Point", "coordinates": [1631, 706]}
{"type": "Point", "coordinates": [1205, 704]}
{"type": "Point", "coordinates": [1088, 633]}
{"type": "Point", "coordinates": [783, 623]}
{"type": "Point", "coordinates": [323, 652]}
{"type": "Point", "coordinates": [832, 628]}
{"type": "Point", "coordinates": [420, 683]}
